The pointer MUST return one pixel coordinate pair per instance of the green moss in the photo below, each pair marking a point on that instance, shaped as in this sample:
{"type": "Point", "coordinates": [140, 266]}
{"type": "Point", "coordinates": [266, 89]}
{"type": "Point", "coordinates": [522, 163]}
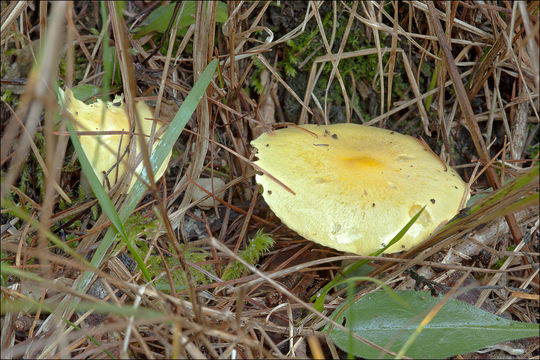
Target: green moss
{"type": "Point", "coordinates": [142, 230]}
{"type": "Point", "coordinates": [258, 246]}
{"type": "Point", "coordinates": [193, 255]}
{"type": "Point", "coordinates": [310, 45]}
{"type": "Point", "coordinates": [255, 83]}
{"type": "Point", "coordinates": [7, 96]}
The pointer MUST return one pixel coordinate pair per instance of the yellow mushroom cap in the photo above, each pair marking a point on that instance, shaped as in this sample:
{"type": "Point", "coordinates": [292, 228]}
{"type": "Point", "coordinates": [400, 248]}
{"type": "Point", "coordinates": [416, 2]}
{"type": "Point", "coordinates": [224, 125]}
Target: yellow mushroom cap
{"type": "Point", "coordinates": [356, 186]}
{"type": "Point", "coordinates": [106, 117]}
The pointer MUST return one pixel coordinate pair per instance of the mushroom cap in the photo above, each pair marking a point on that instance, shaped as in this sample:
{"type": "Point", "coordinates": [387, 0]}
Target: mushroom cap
{"type": "Point", "coordinates": [356, 186]}
{"type": "Point", "coordinates": [105, 117]}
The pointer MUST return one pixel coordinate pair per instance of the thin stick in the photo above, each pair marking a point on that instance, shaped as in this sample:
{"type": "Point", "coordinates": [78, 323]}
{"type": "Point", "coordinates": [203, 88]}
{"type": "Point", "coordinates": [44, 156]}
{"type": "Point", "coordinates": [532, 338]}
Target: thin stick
{"type": "Point", "coordinates": [468, 113]}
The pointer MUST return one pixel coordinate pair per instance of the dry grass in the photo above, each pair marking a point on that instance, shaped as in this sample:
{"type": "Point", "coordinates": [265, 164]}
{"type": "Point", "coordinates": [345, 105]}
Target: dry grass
{"type": "Point", "coordinates": [479, 111]}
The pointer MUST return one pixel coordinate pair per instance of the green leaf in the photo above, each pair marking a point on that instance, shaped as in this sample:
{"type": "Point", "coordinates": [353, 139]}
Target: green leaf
{"type": "Point", "coordinates": [458, 328]}
{"type": "Point", "coordinates": [221, 13]}
{"type": "Point", "coordinates": [84, 92]}
{"type": "Point", "coordinates": [160, 18]}
{"type": "Point", "coordinates": [110, 71]}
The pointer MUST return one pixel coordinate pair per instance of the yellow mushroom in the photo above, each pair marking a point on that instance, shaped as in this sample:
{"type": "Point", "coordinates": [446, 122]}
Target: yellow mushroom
{"type": "Point", "coordinates": [110, 155]}
{"type": "Point", "coordinates": [356, 186]}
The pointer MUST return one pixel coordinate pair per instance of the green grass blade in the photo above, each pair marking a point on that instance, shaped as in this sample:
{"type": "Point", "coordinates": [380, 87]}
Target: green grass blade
{"type": "Point", "coordinates": [507, 189]}
{"type": "Point", "coordinates": [158, 156]}
{"type": "Point", "coordinates": [108, 55]}
{"type": "Point", "coordinates": [177, 125]}
{"type": "Point", "coordinates": [104, 200]}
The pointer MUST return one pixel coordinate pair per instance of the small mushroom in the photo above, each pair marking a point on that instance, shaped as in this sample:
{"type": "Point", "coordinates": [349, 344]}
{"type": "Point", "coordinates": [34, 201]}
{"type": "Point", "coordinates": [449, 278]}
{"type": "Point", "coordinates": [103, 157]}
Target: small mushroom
{"type": "Point", "coordinates": [110, 156]}
{"type": "Point", "coordinates": [209, 185]}
{"type": "Point", "coordinates": [356, 186]}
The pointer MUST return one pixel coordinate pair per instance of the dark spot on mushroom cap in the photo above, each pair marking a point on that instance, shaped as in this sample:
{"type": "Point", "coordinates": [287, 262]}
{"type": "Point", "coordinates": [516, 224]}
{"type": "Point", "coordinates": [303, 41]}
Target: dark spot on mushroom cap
{"type": "Point", "coordinates": [334, 136]}
{"type": "Point", "coordinates": [392, 132]}
{"type": "Point", "coordinates": [373, 205]}
{"type": "Point", "coordinates": [455, 187]}
{"type": "Point", "coordinates": [267, 145]}
{"type": "Point", "coordinates": [432, 201]}
{"type": "Point", "coordinates": [76, 113]}
{"type": "Point", "coordinates": [326, 132]}
{"type": "Point", "coordinates": [269, 192]}
{"type": "Point", "coordinates": [402, 246]}
{"type": "Point", "coordinates": [117, 103]}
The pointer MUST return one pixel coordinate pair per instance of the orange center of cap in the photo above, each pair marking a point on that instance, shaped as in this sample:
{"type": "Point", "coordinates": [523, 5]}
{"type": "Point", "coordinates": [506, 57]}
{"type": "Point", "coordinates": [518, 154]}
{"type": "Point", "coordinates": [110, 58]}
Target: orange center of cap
{"type": "Point", "coordinates": [360, 162]}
